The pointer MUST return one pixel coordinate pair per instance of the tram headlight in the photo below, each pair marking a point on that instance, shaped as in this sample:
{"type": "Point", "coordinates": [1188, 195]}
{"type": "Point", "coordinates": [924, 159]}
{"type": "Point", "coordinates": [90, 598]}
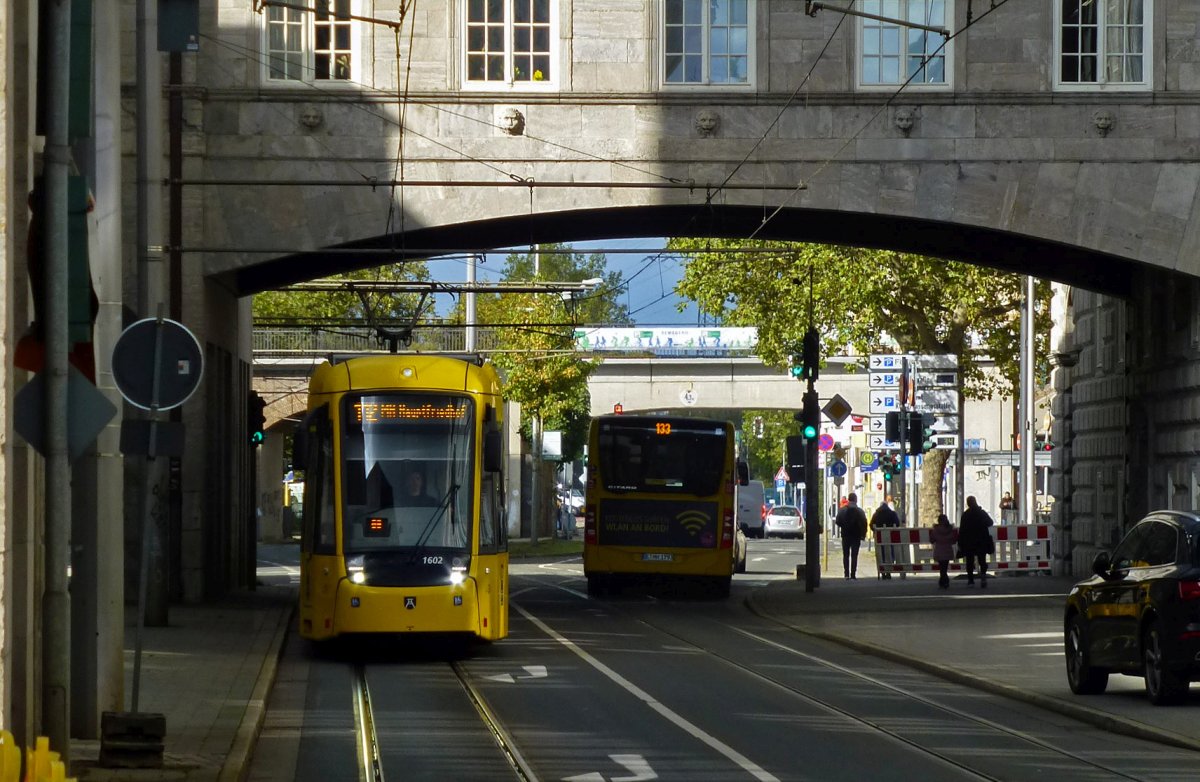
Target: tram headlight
{"type": "Point", "coordinates": [458, 575]}
{"type": "Point", "coordinates": [354, 568]}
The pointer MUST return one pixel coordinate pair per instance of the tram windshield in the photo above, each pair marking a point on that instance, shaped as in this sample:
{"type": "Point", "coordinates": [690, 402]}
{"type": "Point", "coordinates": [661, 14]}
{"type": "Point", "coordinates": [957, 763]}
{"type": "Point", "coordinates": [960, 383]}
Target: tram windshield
{"type": "Point", "coordinates": [407, 474]}
{"type": "Point", "coordinates": [666, 456]}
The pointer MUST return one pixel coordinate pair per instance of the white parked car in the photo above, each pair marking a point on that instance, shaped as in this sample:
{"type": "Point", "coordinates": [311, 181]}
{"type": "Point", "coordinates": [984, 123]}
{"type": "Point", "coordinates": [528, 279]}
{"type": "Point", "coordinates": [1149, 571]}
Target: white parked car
{"type": "Point", "coordinates": [783, 521]}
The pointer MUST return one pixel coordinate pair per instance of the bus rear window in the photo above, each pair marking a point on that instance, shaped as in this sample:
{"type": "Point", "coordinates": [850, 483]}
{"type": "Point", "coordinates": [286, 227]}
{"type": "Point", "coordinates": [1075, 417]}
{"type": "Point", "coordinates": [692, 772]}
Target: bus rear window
{"type": "Point", "coordinates": [660, 458]}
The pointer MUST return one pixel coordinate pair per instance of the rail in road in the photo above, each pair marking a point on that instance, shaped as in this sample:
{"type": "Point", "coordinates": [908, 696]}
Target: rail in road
{"type": "Point", "coordinates": [660, 683]}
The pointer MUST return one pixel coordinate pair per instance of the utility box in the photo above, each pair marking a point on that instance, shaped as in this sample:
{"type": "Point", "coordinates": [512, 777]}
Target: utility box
{"type": "Point", "coordinates": [132, 739]}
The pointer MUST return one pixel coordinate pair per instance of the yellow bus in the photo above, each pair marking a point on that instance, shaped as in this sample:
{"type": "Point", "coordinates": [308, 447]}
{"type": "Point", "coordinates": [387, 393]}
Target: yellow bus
{"type": "Point", "coordinates": [403, 527]}
{"type": "Point", "coordinates": [660, 501]}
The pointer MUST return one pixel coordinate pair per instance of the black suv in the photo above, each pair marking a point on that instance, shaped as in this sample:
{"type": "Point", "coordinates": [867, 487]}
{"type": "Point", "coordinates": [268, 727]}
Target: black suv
{"type": "Point", "coordinates": [1140, 613]}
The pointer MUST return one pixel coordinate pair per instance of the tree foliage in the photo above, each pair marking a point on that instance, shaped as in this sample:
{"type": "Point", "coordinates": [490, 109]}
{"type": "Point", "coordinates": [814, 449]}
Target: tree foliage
{"type": "Point", "coordinates": [536, 338]}
{"type": "Point", "coordinates": [870, 301]}
{"type": "Point", "coordinates": [343, 306]}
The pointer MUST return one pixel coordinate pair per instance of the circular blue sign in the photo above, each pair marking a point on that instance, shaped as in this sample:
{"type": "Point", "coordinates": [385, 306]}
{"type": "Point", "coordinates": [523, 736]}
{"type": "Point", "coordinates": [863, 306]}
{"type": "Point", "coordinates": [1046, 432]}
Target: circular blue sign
{"type": "Point", "coordinates": [837, 469]}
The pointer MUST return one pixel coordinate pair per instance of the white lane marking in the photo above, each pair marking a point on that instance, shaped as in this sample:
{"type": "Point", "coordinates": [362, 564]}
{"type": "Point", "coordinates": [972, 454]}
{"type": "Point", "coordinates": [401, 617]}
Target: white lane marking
{"type": "Point", "coordinates": [532, 671]}
{"type": "Point", "coordinates": [679, 721]}
{"type": "Point", "coordinates": [1022, 636]}
{"type": "Point", "coordinates": [635, 763]}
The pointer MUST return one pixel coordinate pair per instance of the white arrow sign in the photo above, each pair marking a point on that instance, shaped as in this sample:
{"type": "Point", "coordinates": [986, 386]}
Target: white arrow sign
{"type": "Point", "coordinates": [877, 424]}
{"type": "Point", "coordinates": [883, 401]}
{"type": "Point", "coordinates": [636, 764]}
{"type": "Point", "coordinates": [884, 379]}
{"type": "Point", "coordinates": [888, 361]}
{"type": "Point", "coordinates": [532, 671]}
{"type": "Point", "coordinates": [879, 442]}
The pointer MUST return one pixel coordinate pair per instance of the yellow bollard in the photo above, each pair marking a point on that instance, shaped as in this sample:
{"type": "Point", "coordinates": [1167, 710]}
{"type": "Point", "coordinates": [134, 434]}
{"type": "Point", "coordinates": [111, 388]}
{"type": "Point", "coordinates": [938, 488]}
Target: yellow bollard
{"type": "Point", "coordinates": [10, 758]}
{"type": "Point", "coordinates": [44, 765]}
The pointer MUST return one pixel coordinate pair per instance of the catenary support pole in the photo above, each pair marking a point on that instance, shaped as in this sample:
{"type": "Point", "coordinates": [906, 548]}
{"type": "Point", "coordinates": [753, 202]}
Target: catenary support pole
{"type": "Point", "coordinates": [1028, 490]}
{"type": "Point", "coordinates": [56, 600]}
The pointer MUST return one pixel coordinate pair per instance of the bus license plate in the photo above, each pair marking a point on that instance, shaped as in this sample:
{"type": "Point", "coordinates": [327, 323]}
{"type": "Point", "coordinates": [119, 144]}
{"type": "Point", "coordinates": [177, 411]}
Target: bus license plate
{"type": "Point", "coordinates": [657, 557]}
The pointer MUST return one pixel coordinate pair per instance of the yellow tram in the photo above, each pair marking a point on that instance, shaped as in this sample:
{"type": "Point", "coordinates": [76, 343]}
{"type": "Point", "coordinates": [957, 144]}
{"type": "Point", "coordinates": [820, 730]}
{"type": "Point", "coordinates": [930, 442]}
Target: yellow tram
{"type": "Point", "coordinates": [403, 526]}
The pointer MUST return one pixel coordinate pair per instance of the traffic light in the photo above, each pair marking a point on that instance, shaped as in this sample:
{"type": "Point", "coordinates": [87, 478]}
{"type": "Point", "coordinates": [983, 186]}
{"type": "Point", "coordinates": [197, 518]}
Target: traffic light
{"type": "Point", "coordinates": [887, 466]}
{"type": "Point", "coordinates": [920, 432]}
{"type": "Point", "coordinates": [796, 365]}
{"type": "Point", "coordinates": [1042, 442]}
{"type": "Point", "coordinates": [891, 426]}
{"type": "Point", "coordinates": [618, 408]}
{"type": "Point", "coordinates": [810, 416]}
{"type": "Point", "coordinates": [796, 453]}
{"type": "Point", "coordinates": [758, 426]}
{"type": "Point", "coordinates": [812, 355]}
{"type": "Point", "coordinates": [256, 418]}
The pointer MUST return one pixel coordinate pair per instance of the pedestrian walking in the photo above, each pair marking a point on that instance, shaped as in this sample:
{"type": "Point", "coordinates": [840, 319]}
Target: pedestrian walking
{"type": "Point", "coordinates": [944, 536]}
{"type": "Point", "coordinates": [975, 540]}
{"type": "Point", "coordinates": [881, 519]}
{"type": "Point", "coordinates": [852, 522]}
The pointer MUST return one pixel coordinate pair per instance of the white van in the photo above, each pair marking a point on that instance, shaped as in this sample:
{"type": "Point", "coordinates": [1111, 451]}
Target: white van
{"type": "Point", "coordinates": [751, 504]}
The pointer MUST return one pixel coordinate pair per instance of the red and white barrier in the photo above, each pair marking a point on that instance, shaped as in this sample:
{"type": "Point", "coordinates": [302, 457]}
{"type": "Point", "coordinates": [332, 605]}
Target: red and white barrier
{"type": "Point", "coordinates": [1019, 547]}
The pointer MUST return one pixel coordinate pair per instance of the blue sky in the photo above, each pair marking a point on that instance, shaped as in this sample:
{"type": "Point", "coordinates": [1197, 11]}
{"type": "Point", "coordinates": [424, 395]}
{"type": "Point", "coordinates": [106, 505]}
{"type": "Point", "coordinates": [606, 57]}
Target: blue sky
{"type": "Point", "coordinates": [649, 297]}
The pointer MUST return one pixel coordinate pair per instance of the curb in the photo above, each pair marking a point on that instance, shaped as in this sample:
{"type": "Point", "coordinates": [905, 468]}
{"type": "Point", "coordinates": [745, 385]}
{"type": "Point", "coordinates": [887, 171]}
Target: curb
{"type": "Point", "coordinates": [236, 764]}
{"type": "Point", "coordinates": [1100, 719]}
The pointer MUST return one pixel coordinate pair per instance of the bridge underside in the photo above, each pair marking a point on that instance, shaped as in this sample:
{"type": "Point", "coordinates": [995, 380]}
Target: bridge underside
{"type": "Point", "coordinates": [1089, 269]}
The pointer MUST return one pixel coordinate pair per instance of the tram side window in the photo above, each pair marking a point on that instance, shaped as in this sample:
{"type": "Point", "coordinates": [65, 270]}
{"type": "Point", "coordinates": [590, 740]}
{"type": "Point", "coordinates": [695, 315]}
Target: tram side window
{"type": "Point", "coordinates": [492, 527]}
{"type": "Point", "coordinates": [318, 532]}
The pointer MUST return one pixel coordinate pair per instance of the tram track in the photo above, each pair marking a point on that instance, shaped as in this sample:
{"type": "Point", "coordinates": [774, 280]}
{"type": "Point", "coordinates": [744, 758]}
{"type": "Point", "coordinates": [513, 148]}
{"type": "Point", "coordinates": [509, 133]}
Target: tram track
{"type": "Point", "coordinates": [369, 750]}
{"type": "Point", "coordinates": [874, 725]}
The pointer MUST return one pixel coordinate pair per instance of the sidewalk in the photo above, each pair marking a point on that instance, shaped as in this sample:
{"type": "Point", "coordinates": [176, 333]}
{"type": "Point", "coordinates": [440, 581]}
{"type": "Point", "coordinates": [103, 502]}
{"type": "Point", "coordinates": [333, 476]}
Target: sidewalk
{"type": "Point", "coordinates": [1006, 639]}
{"type": "Point", "coordinates": [209, 672]}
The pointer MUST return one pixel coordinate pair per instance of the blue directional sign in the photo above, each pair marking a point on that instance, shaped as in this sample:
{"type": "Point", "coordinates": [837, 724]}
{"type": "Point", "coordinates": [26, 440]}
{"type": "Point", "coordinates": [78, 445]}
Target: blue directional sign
{"type": "Point", "coordinates": [837, 469]}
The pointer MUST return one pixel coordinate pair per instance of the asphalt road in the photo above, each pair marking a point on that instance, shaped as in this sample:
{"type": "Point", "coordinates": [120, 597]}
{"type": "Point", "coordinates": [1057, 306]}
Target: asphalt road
{"type": "Point", "coordinates": [658, 683]}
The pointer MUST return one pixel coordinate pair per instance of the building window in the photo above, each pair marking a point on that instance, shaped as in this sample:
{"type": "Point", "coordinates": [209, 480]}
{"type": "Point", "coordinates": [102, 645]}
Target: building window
{"type": "Point", "coordinates": [510, 43]}
{"type": "Point", "coordinates": [1103, 44]}
{"type": "Point", "coordinates": [312, 43]}
{"type": "Point", "coordinates": [892, 54]}
{"type": "Point", "coordinates": [707, 41]}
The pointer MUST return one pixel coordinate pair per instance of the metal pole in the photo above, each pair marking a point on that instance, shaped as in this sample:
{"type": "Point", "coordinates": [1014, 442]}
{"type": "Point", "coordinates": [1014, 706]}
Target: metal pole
{"type": "Point", "coordinates": [1027, 363]}
{"type": "Point", "coordinates": [56, 599]}
{"type": "Point", "coordinates": [534, 479]}
{"type": "Point", "coordinates": [469, 303]}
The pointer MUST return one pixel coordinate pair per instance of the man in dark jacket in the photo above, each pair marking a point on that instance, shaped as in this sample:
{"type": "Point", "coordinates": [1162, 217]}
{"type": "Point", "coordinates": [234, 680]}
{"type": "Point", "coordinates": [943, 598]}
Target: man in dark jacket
{"type": "Point", "coordinates": [975, 540]}
{"type": "Point", "coordinates": [852, 522]}
{"type": "Point", "coordinates": [882, 518]}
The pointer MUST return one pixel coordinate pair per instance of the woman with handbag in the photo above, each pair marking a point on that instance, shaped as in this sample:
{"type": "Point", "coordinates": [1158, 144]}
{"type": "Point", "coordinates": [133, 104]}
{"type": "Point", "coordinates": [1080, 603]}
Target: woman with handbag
{"type": "Point", "coordinates": [975, 540]}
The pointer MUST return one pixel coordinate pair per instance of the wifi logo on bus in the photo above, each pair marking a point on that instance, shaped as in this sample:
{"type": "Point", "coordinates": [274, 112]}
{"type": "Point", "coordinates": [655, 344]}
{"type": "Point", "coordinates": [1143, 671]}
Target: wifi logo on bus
{"type": "Point", "coordinates": [693, 521]}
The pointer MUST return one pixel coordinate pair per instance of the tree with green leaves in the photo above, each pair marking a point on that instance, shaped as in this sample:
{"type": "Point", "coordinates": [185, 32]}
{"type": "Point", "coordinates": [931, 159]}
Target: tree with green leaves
{"type": "Point", "coordinates": [865, 301]}
{"type": "Point", "coordinates": [349, 305]}
{"type": "Point", "coordinates": [536, 337]}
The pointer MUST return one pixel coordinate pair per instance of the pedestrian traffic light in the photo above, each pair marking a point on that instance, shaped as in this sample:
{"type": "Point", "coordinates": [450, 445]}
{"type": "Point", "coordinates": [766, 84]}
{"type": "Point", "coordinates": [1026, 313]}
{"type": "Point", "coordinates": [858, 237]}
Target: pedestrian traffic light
{"type": "Point", "coordinates": [887, 466]}
{"type": "Point", "coordinates": [1042, 442]}
{"type": "Point", "coordinates": [796, 365]}
{"type": "Point", "coordinates": [810, 416]}
{"type": "Point", "coordinates": [256, 418]}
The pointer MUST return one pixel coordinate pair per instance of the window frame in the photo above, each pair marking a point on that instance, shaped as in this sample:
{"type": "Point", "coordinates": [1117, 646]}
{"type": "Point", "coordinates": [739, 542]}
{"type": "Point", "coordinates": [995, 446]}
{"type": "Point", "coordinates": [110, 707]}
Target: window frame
{"type": "Point", "coordinates": [1147, 82]}
{"type": "Point", "coordinates": [707, 84]}
{"type": "Point", "coordinates": [509, 84]}
{"type": "Point", "coordinates": [947, 58]}
{"type": "Point", "coordinates": [307, 45]}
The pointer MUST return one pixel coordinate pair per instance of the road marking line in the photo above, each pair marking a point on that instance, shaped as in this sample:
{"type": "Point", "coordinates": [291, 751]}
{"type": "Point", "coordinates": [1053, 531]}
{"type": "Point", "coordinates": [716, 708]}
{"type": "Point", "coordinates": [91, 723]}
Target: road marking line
{"type": "Point", "coordinates": [679, 721]}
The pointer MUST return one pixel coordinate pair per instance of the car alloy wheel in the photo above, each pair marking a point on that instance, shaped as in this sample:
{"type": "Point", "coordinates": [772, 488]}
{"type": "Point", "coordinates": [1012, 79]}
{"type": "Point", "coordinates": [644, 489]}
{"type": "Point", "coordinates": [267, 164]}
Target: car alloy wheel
{"type": "Point", "coordinates": [1081, 675]}
{"type": "Point", "coordinates": [1164, 685]}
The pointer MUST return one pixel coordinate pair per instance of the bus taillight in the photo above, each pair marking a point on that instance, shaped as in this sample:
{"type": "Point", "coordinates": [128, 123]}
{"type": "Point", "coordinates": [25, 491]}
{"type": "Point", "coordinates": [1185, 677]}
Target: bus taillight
{"type": "Point", "coordinates": [589, 524]}
{"type": "Point", "coordinates": [727, 529]}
